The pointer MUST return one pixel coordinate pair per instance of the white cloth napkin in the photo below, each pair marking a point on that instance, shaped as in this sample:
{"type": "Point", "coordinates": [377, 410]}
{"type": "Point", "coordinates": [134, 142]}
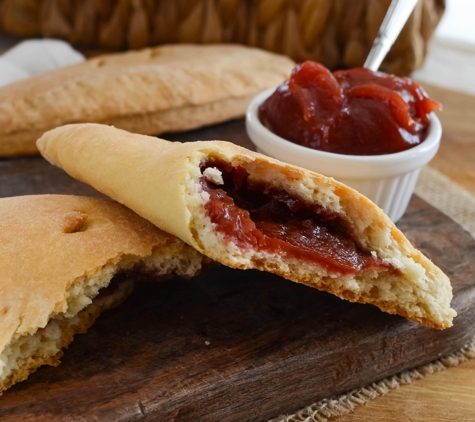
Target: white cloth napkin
{"type": "Point", "coordinates": [32, 57]}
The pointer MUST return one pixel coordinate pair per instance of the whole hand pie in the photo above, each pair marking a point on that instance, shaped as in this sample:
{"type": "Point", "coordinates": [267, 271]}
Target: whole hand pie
{"type": "Point", "coordinates": [246, 210]}
{"type": "Point", "coordinates": [164, 89]}
{"type": "Point", "coordinates": [59, 256]}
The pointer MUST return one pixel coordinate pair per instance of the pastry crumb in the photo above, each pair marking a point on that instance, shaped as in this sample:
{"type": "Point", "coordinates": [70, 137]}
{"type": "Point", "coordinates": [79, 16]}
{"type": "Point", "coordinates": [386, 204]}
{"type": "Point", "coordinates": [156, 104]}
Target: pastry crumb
{"type": "Point", "coordinates": [212, 174]}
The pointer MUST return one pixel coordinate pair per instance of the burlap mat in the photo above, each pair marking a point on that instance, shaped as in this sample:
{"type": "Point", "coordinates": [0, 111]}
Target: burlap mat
{"type": "Point", "coordinates": [457, 203]}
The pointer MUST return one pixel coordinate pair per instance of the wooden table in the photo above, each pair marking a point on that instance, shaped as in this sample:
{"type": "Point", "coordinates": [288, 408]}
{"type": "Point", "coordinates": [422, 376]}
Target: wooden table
{"type": "Point", "coordinates": [447, 395]}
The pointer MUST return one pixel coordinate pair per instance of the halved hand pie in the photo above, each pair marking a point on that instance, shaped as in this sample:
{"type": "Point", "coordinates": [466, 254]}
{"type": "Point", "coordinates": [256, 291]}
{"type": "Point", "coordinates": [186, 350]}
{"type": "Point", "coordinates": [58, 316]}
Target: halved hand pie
{"type": "Point", "coordinates": [59, 254]}
{"type": "Point", "coordinates": [246, 210]}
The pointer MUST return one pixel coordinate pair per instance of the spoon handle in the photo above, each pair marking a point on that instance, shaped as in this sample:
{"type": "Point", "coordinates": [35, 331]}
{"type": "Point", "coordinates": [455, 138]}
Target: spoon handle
{"type": "Point", "coordinates": [396, 16]}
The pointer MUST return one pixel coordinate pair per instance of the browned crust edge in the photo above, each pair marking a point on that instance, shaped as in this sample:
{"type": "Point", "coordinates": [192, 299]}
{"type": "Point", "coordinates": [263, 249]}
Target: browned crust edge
{"type": "Point", "coordinates": [327, 286]}
{"type": "Point", "coordinates": [87, 318]}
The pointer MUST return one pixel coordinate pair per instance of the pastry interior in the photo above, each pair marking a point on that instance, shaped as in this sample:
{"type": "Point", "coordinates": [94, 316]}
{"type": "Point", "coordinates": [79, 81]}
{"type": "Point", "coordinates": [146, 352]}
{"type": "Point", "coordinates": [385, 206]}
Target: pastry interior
{"type": "Point", "coordinates": [326, 236]}
{"type": "Point", "coordinates": [87, 297]}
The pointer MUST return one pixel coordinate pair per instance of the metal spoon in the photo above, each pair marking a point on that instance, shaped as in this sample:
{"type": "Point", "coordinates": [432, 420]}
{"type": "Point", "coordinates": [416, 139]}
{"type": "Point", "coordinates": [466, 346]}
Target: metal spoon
{"type": "Point", "coordinates": [396, 16]}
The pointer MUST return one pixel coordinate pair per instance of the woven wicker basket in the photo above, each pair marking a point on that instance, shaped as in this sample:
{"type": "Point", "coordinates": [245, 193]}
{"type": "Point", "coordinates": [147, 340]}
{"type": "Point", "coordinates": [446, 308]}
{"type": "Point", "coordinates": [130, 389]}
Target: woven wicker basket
{"type": "Point", "coordinates": [338, 33]}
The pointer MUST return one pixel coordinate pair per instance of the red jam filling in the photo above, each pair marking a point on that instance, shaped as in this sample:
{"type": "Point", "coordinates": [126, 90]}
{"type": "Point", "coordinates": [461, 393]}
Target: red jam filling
{"type": "Point", "coordinates": [257, 217]}
{"type": "Point", "coordinates": [355, 112]}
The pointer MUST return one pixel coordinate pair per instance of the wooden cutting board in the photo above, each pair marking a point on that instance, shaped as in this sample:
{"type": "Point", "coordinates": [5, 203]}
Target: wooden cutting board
{"type": "Point", "coordinates": [233, 345]}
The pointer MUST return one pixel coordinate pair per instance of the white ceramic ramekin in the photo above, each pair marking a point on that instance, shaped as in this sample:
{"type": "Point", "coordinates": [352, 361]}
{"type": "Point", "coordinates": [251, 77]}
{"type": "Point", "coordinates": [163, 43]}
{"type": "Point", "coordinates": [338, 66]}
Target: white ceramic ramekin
{"type": "Point", "coordinates": [388, 180]}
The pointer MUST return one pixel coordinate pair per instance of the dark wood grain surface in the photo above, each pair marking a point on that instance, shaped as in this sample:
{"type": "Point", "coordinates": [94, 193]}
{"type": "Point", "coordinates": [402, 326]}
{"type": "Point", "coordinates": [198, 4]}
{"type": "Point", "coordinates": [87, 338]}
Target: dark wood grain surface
{"type": "Point", "coordinates": [233, 345]}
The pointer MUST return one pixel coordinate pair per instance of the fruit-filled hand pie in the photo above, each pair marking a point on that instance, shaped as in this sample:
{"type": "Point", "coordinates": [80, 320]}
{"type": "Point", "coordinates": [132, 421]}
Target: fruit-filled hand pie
{"type": "Point", "coordinates": [164, 89]}
{"type": "Point", "coordinates": [59, 255]}
{"type": "Point", "coordinates": [247, 210]}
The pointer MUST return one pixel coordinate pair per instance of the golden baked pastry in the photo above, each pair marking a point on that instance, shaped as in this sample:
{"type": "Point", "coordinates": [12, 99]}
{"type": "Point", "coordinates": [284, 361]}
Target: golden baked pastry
{"type": "Point", "coordinates": [164, 89]}
{"type": "Point", "coordinates": [59, 253]}
{"type": "Point", "coordinates": [301, 225]}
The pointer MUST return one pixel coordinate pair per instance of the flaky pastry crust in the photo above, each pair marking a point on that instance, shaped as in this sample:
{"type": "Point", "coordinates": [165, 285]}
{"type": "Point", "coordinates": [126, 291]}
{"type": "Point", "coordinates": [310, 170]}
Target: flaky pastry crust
{"type": "Point", "coordinates": [58, 252]}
